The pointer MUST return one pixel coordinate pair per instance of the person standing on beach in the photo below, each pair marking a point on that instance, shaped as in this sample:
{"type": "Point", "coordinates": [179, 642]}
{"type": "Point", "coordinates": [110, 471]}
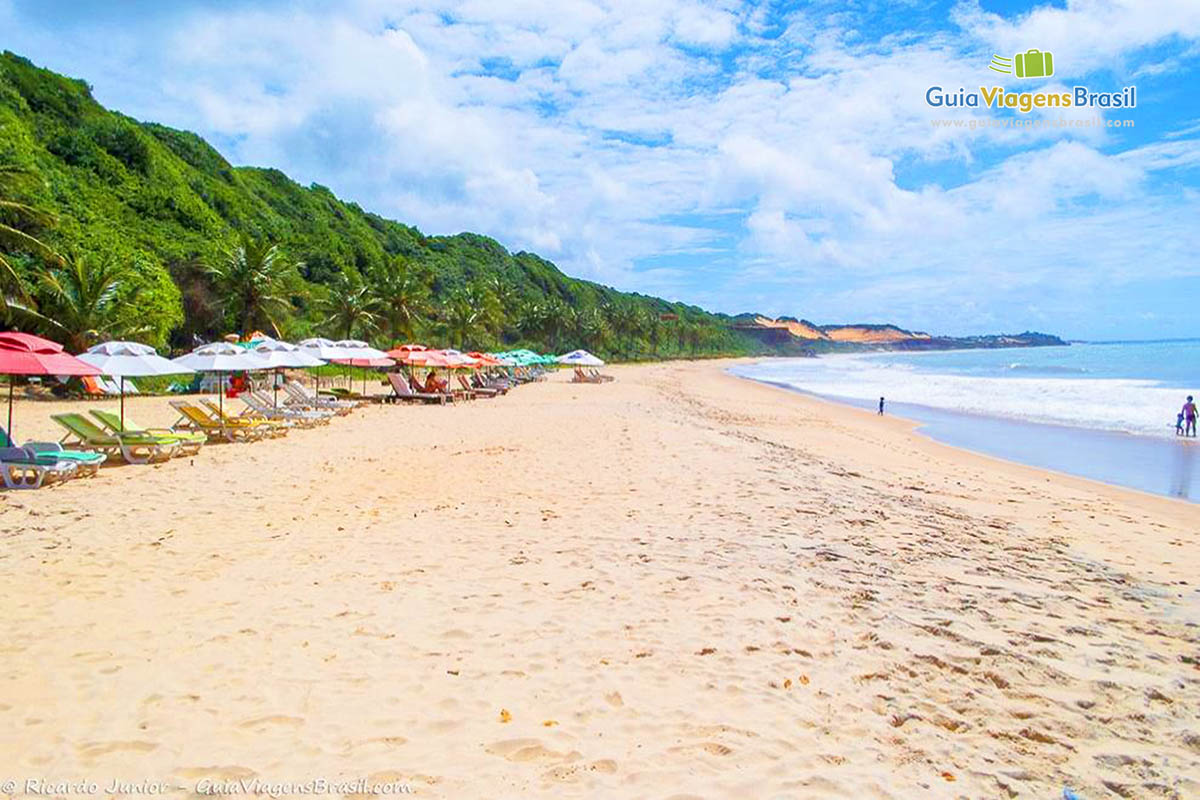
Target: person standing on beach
{"type": "Point", "coordinates": [1189, 417]}
{"type": "Point", "coordinates": [881, 406]}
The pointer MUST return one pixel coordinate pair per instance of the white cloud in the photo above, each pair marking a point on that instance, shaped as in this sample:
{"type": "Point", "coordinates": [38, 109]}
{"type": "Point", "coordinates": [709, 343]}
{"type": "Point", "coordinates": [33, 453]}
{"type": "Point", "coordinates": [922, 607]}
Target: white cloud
{"type": "Point", "coordinates": [607, 136]}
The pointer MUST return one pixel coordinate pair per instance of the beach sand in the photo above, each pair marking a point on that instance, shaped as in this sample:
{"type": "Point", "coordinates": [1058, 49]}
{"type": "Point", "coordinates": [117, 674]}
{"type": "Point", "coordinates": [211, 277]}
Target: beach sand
{"type": "Point", "coordinates": [677, 585]}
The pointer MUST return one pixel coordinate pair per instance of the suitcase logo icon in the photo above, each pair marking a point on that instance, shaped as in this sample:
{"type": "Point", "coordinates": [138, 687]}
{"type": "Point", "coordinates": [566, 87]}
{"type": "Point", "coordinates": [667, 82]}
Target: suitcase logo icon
{"type": "Point", "coordinates": [1033, 63]}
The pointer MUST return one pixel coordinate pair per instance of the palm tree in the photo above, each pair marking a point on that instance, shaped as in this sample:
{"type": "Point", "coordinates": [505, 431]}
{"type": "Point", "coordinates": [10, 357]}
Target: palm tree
{"type": "Point", "coordinates": [349, 307]}
{"type": "Point", "coordinates": [253, 281]}
{"type": "Point", "coordinates": [16, 220]}
{"type": "Point", "coordinates": [401, 295]}
{"type": "Point", "coordinates": [505, 297]}
{"type": "Point", "coordinates": [464, 316]}
{"type": "Point", "coordinates": [78, 303]}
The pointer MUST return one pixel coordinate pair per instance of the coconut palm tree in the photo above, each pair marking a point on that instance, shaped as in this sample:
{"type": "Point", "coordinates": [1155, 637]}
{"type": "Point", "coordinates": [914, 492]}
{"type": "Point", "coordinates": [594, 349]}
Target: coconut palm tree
{"type": "Point", "coordinates": [349, 308]}
{"type": "Point", "coordinates": [464, 317]}
{"type": "Point", "coordinates": [253, 282]}
{"type": "Point", "coordinates": [401, 295]}
{"type": "Point", "coordinates": [78, 303]}
{"type": "Point", "coordinates": [17, 220]}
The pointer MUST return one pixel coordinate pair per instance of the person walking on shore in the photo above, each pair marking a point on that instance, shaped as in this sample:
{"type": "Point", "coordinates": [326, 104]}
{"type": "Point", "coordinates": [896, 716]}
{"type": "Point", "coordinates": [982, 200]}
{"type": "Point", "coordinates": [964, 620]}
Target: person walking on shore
{"type": "Point", "coordinates": [1189, 417]}
{"type": "Point", "coordinates": [881, 406]}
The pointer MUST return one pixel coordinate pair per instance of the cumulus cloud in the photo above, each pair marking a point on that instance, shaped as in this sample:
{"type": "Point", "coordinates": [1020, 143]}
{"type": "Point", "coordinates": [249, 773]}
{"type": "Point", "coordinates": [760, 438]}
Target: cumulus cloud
{"type": "Point", "coordinates": [783, 161]}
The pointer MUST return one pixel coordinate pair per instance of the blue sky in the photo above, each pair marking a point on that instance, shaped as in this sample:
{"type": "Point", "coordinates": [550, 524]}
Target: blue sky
{"type": "Point", "coordinates": [775, 157]}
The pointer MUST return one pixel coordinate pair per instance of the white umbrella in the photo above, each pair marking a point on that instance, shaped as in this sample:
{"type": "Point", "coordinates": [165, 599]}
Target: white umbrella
{"type": "Point", "coordinates": [130, 359]}
{"type": "Point", "coordinates": [358, 349]}
{"type": "Point", "coordinates": [278, 355]}
{"type": "Point", "coordinates": [221, 357]}
{"type": "Point", "coordinates": [324, 349]}
{"type": "Point", "coordinates": [580, 358]}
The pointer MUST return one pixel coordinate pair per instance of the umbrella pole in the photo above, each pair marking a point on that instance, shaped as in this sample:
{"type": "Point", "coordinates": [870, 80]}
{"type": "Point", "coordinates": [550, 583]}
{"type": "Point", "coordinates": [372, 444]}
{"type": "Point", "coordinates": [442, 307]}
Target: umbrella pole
{"type": "Point", "coordinates": [122, 402]}
{"type": "Point", "coordinates": [11, 441]}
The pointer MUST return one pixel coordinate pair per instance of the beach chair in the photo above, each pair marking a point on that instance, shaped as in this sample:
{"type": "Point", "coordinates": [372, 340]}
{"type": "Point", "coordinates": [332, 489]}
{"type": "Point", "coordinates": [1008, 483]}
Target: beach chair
{"type": "Point", "coordinates": [86, 463]}
{"type": "Point", "coordinates": [90, 387]}
{"type": "Point", "coordinates": [50, 452]}
{"type": "Point", "coordinates": [195, 418]}
{"type": "Point", "coordinates": [451, 395]}
{"type": "Point", "coordinates": [190, 442]}
{"type": "Point", "coordinates": [303, 418]}
{"type": "Point", "coordinates": [476, 391]}
{"type": "Point", "coordinates": [500, 383]}
{"type": "Point", "coordinates": [580, 377]}
{"type": "Point", "coordinates": [299, 395]}
{"type": "Point", "coordinates": [134, 448]}
{"type": "Point", "coordinates": [20, 468]}
{"type": "Point", "coordinates": [402, 391]}
{"type": "Point", "coordinates": [273, 427]}
{"type": "Point", "coordinates": [109, 386]}
{"type": "Point", "coordinates": [596, 374]}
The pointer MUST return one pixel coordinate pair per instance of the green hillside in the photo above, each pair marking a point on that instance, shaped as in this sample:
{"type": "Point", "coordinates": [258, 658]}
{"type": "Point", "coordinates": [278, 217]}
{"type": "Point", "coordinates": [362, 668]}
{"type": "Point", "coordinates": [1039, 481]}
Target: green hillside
{"type": "Point", "coordinates": [161, 209]}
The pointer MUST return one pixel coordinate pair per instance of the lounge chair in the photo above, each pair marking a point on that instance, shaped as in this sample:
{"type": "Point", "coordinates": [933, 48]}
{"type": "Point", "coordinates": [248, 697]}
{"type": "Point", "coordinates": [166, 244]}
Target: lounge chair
{"type": "Point", "coordinates": [51, 452]}
{"type": "Point", "coordinates": [600, 376]}
{"type": "Point", "coordinates": [190, 442]}
{"type": "Point", "coordinates": [134, 448]}
{"type": "Point", "coordinates": [194, 418]}
{"type": "Point", "coordinates": [90, 387]}
{"type": "Point", "coordinates": [498, 385]}
{"type": "Point", "coordinates": [580, 377]}
{"type": "Point", "coordinates": [298, 395]}
{"type": "Point", "coordinates": [20, 468]}
{"type": "Point", "coordinates": [304, 418]}
{"type": "Point", "coordinates": [402, 391]}
{"type": "Point", "coordinates": [476, 391]}
{"type": "Point", "coordinates": [86, 463]}
{"type": "Point", "coordinates": [273, 427]}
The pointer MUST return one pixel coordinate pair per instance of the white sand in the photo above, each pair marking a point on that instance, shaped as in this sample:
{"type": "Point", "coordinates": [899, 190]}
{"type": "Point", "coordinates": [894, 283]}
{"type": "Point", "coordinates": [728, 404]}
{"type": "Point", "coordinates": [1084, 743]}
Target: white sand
{"type": "Point", "coordinates": [677, 585]}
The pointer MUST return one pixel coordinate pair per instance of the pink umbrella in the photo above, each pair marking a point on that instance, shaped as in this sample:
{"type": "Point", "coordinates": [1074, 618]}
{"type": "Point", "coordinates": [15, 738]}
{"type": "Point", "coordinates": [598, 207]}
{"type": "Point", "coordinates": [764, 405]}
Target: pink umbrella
{"type": "Point", "coordinates": [26, 354]}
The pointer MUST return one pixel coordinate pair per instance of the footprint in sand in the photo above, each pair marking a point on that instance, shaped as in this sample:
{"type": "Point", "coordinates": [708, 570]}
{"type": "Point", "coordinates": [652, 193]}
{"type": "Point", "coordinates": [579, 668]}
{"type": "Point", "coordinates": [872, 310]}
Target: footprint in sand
{"type": "Point", "coordinates": [569, 772]}
{"type": "Point", "coordinates": [528, 750]}
{"type": "Point", "coordinates": [93, 749]}
{"type": "Point", "coordinates": [274, 719]}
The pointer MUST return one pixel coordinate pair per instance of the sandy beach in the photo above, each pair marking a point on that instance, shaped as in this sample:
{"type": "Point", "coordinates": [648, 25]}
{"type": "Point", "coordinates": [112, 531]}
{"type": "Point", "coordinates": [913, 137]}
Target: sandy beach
{"type": "Point", "coordinates": [678, 585]}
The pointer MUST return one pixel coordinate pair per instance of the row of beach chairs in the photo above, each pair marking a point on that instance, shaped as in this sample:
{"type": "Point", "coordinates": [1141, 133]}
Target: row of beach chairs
{"type": "Point", "coordinates": [91, 439]}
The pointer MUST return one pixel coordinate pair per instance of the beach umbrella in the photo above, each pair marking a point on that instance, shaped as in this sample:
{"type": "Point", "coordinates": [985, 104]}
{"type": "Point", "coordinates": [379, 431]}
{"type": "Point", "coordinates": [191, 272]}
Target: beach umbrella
{"type": "Point", "coordinates": [221, 357]}
{"type": "Point", "coordinates": [361, 354]}
{"type": "Point", "coordinates": [580, 358]}
{"type": "Point", "coordinates": [324, 349]}
{"type": "Point", "coordinates": [132, 360]}
{"type": "Point", "coordinates": [279, 355]}
{"type": "Point", "coordinates": [26, 354]}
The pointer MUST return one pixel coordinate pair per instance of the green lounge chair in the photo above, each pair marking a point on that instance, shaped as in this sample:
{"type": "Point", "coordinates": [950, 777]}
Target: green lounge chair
{"type": "Point", "coordinates": [134, 448]}
{"type": "Point", "coordinates": [190, 442]}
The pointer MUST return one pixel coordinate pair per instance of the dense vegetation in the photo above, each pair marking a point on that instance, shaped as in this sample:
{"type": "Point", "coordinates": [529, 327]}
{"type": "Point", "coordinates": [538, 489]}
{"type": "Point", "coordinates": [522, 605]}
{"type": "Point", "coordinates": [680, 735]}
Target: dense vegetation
{"type": "Point", "coordinates": [110, 227]}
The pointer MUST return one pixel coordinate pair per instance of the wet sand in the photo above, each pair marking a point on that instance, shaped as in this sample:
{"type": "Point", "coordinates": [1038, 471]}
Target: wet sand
{"type": "Point", "coordinates": [681, 584]}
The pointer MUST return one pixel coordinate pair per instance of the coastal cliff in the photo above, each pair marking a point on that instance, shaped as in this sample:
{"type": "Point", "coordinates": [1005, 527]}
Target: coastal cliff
{"type": "Point", "coordinates": [798, 334]}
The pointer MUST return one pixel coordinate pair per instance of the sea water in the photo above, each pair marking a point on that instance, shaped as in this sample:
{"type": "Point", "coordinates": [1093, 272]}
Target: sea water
{"type": "Point", "coordinates": [1102, 410]}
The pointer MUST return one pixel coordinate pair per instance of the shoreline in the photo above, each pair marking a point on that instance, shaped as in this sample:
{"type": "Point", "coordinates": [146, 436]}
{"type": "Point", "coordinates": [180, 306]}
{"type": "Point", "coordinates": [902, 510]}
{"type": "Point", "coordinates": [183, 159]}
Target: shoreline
{"type": "Point", "coordinates": [682, 583]}
{"type": "Point", "coordinates": [1166, 467]}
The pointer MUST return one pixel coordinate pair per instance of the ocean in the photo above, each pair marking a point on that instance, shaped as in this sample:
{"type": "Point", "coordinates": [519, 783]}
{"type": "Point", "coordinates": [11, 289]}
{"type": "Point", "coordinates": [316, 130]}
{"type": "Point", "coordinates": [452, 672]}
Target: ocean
{"type": "Point", "coordinates": [1102, 410]}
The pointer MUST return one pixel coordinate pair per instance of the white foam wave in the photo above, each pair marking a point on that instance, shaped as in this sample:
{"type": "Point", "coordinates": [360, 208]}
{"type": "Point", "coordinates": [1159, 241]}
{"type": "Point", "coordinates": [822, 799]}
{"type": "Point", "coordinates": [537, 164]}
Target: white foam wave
{"type": "Point", "coordinates": [1133, 406]}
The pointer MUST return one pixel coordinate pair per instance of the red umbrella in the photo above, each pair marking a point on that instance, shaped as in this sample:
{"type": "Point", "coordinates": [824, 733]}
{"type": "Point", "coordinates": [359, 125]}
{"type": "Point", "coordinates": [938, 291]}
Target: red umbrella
{"type": "Point", "coordinates": [369, 363]}
{"type": "Point", "coordinates": [26, 354]}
